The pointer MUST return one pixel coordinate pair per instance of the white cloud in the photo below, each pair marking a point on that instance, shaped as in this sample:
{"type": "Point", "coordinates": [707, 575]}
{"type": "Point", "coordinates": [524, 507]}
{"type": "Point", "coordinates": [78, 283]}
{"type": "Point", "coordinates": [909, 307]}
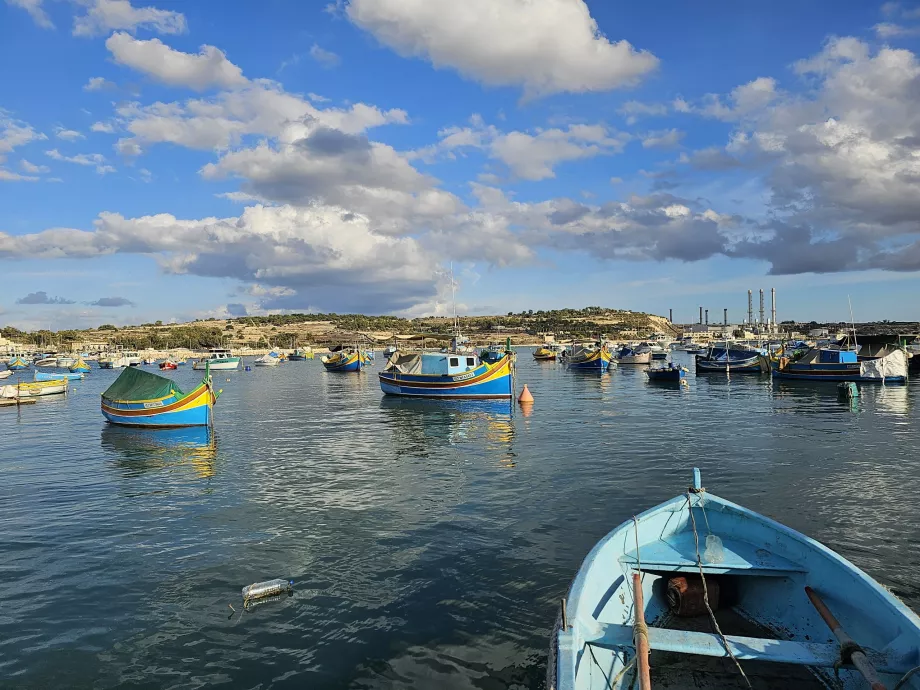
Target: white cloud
{"type": "Point", "coordinates": [34, 8]}
{"type": "Point", "coordinates": [634, 110]}
{"type": "Point", "coordinates": [103, 16]}
{"type": "Point", "coordinates": [316, 98]}
{"type": "Point", "coordinates": [664, 139]}
{"type": "Point", "coordinates": [743, 100]}
{"type": "Point", "coordinates": [890, 30]}
{"type": "Point", "coordinates": [102, 127]}
{"type": "Point", "coordinates": [67, 134]}
{"type": "Point", "coordinates": [209, 68]}
{"type": "Point", "coordinates": [324, 57]}
{"type": "Point", "coordinates": [33, 169]}
{"type": "Point", "coordinates": [10, 176]}
{"type": "Point", "coordinates": [545, 46]}
{"type": "Point", "coordinates": [88, 159]}
{"type": "Point", "coordinates": [98, 84]}
{"type": "Point", "coordinates": [15, 133]}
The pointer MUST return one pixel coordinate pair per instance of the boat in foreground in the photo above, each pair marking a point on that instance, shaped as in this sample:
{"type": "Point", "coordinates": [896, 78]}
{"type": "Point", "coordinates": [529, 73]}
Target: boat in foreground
{"type": "Point", "coordinates": [140, 398]}
{"type": "Point", "coordinates": [448, 375]}
{"type": "Point", "coordinates": [589, 356]}
{"type": "Point", "coordinates": [828, 364]}
{"type": "Point", "coordinates": [672, 372]}
{"type": "Point", "coordinates": [217, 359]}
{"type": "Point", "coordinates": [662, 580]}
{"type": "Point", "coordinates": [45, 376]}
{"type": "Point", "coordinates": [34, 389]}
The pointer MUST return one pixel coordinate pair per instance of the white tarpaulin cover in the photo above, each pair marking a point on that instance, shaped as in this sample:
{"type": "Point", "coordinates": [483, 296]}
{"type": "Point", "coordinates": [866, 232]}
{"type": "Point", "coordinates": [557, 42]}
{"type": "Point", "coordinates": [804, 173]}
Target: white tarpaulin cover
{"type": "Point", "coordinates": [893, 364]}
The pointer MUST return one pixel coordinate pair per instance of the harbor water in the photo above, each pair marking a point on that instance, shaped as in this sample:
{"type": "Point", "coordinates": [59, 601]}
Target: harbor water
{"type": "Point", "coordinates": [429, 542]}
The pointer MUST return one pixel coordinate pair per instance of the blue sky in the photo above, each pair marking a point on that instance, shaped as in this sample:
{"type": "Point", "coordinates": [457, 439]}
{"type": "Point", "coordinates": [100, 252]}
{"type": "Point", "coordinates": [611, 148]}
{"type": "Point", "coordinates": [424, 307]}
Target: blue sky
{"type": "Point", "coordinates": [170, 161]}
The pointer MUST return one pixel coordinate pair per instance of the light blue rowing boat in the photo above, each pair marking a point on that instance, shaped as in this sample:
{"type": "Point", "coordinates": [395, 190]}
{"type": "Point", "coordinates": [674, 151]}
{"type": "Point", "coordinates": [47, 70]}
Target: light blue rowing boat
{"type": "Point", "coordinates": [45, 376]}
{"type": "Point", "coordinates": [786, 607]}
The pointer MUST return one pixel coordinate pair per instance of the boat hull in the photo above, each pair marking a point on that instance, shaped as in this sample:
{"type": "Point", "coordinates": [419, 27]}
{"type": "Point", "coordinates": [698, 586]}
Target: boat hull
{"type": "Point", "coordinates": [641, 358]}
{"type": "Point", "coordinates": [194, 409]}
{"type": "Point", "coordinates": [485, 382]}
{"type": "Point", "coordinates": [43, 376]}
{"type": "Point", "coordinates": [223, 364]}
{"type": "Point", "coordinates": [352, 363]}
{"type": "Point", "coordinates": [768, 567]}
{"type": "Point", "coordinates": [34, 389]}
{"type": "Point", "coordinates": [892, 368]}
{"type": "Point", "coordinates": [749, 365]}
{"type": "Point", "coordinates": [665, 374]}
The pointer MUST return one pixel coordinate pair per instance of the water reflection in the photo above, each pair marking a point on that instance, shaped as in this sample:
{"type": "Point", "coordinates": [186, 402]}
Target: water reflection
{"type": "Point", "coordinates": [145, 450]}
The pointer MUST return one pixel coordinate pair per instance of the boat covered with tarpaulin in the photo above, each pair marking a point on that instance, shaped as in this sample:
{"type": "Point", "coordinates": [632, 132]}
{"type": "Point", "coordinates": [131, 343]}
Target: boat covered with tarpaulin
{"type": "Point", "coordinates": [141, 398]}
{"type": "Point", "coordinates": [589, 356]}
{"type": "Point", "coordinates": [698, 589]}
{"type": "Point", "coordinates": [722, 360]}
{"type": "Point", "coordinates": [448, 375]}
{"type": "Point", "coordinates": [832, 364]}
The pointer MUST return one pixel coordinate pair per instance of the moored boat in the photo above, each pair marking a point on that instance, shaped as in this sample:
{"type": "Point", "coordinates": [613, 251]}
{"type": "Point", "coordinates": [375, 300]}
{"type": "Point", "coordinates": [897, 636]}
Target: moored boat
{"type": "Point", "coordinates": [80, 366]}
{"type": "Point", "coordinates": [5, 374]}
{"type": "Point", "coordinates": [66, 362]}
{"type": "Point", "coordinates": [218, 359]}
{"type": "Point", "coordinates": [776, 599]}
{"type": "Point", "coordinates": [638, 355]}
{"type": "Point", "coordinates": [45, 376]}
{"type": "Point", "coordinates": [548, 352]}
{"type": "Point", "coordinates": [269, 360]}
{"type": "Point", "coordinates": [141, 398]}
{"type": "Point", "coordinates": [168, 365]}
{"type": "Point", "coordinates": [722, 360]}
{"type": "Point", "coordinates": [34, 389]}
{"type": "Point", "coordinates": [494, 352]}
{"type": "Point", "coordinates": [17, 363]}
{"type": "Point", "coordinates": [826, 364]}
{"type": "Point", "coordinates": [448, 375]}
{"type": "Point", "coordinates": [345, 360]}
{"type": "Point", "coordinates": [671, 372]}
{"type": "Point", "coordinates": [590, 356]}
{"type": "Point", "coordinates": [300, 354]}
{"type": "Point", "coordinates": [46, 362]}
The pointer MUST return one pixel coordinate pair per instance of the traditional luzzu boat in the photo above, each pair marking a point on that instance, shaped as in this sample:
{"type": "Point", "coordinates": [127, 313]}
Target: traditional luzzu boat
{"type": "Point", "coordinates": [17, 363]}
{"type": "Point", "coordinates": [722, 360]}
{"type": "Point", "coordinates": [218, 359]}
{"type": "Point", "coordinates": [826, 364]}
{"type": "Point", "coordinates": [80, 366]}
{"type": "Point", "coordinates": [590, 356]}
{"type": "Point", "coordinates": [140, 398]}
{"type": "Point", "coordinates": [699, 576]}
{"type": "Point", "coordinates": [672, 373]}
{"type": "Point", "coordinates": [548, 352]}
{"type": "Point", "coordinates": [45, 376]}
{"type": "Point", "coordinates": [452, 374]}
{"type": "Point", "coordinates": [57, 386]}
{"type": "Point", "coordinates": [346, 360]}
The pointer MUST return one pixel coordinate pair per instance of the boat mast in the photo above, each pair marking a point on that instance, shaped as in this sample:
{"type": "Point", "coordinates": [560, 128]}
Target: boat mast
{"type": "Point", "coordinates": [853, 324]}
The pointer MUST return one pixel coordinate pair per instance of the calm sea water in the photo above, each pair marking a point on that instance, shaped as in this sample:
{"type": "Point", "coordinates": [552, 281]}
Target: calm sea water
{"type": "Point", "coordinates": [429, 542]}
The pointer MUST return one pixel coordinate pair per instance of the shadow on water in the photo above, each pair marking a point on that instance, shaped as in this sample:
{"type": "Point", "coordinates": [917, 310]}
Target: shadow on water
{"type": "Point", "coordinates": [139, 451]}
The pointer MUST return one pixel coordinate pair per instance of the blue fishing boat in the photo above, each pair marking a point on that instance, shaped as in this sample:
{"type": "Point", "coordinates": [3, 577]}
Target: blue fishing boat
{"type": "Point", "coordinates": [493, 353]}
{"type": "Point", "coordinates": [44, 376]}
{"type": "Point", "coordinates": [672, 373]}
{"type": "Point", "coordinates": [699, 576]}
{"type": "Point", "coordinates": [828, 364]}
{"type": "Point", "coordinates": [140, 398]}
{"type": "Point", "coordinates": [345, 360]}
{"type": "Point", "coordinates": [590, 356]}
{"type": "Point", "coordinates": [722, 360]}
{"type": "Point", "coordinates": [448, 375]}
{"type": "Point", "coordinates": [17, 363]}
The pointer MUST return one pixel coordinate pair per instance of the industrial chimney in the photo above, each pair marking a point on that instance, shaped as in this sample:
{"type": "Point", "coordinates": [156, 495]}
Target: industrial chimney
{"type": "Point", "coordinates": [750, 308]}
{"type": "Point", "coordinates": [701, 315]}
{"type": "Point", "coordinates": [707, 317]}
{"type": "Point", "coordinates": [725, 317]}
{"type": "Point", "coordinates": [671, 315]}
{"type": "Point", "coordinates": [773, 306]}
{"type": "Point", "coordinates": [761, 306]}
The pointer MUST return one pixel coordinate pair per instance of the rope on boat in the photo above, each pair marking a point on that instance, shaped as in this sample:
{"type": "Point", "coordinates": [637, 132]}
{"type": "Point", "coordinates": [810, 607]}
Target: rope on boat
{"type": "Point", "coordinates": [712, 616]}
{"type": "Point", "coordinates": [906, 677]}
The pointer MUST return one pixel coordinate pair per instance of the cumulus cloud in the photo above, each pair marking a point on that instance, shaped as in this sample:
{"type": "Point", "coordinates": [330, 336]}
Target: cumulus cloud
{"type": "Point", "coordinates": [10, 176]}
{"type": "Point", "coordinates": [42, 297]}
{"type": "Point", "coordinates": [664, 139]}
{"type": "Point", "coordinates": [33, 169]}
{"type": "Point", "coordinates": [102, 127]}
{"type": "Point", "coordinates": [112, 302]}
{"type": "Point", "coordinates": [67, 134]}
{"type": "Point", "coordinates": [89, 159]}
{"type": "Point", "coordinates": [324, 57]}
{"type": "Point", "coordinates": [103, 16]}
{"type": "Point", "coordinates": [98, 84]}
{"type": "Point", "coordinates": [209, 68]}
{"type": "Point", "coordinates": [544, 46]}
{"type": "Point", "coordinates": [15, 133]}
{"type": "Point", "coordinates": [35, 10]}
{"type": "Point", "coordinates": [634, 110]}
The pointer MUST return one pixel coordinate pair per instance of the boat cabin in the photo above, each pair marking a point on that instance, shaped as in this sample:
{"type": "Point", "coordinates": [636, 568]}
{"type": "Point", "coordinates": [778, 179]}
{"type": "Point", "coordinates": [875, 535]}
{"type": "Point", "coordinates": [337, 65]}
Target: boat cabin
{"type": "Point", "coordinates": [217, 353]}
{"type": "Point", "coordinates": [435, 363]}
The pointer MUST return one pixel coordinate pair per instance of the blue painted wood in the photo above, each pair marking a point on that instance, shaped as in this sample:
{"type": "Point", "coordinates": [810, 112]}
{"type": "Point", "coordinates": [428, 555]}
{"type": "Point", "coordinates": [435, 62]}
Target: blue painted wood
{"type": "Point", "coordinates": [768, 566]}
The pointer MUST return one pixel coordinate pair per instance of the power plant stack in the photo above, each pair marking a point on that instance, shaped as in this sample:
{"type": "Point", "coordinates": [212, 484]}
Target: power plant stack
{"type": "Point", "coordinates": [707, 317]}
{"type": "Point", "coordinates": [750, 309]}
{"type": "Point", "coordinates": [761, 308]}
{"type": "Point", "coordinates": [725, 318]}
{"type": "Point", "coordinates": [701, 316]}
{"type": "Point", "coordinates": [773, 307]}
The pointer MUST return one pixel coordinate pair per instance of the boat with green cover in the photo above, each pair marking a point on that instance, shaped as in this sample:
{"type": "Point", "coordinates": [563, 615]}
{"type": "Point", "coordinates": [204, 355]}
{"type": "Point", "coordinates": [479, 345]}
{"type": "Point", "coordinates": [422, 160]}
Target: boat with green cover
{"type": "Point", "coordinates": [141, 398]}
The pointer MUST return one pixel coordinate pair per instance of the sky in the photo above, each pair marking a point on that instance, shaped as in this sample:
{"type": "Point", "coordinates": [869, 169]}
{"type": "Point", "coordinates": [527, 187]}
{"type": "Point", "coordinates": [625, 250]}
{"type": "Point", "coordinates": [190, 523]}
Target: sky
{"type": "Point", "coordinates": [173, 161]}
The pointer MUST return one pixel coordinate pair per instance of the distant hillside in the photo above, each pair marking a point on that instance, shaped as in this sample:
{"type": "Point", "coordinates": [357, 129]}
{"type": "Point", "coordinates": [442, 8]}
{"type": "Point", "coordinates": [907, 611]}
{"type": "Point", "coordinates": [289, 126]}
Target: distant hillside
{"type": "Point", "coordinates": [283, 330]}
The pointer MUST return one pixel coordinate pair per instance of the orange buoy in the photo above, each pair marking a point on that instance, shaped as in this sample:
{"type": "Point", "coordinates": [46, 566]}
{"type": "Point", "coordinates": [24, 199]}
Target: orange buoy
{"type": "Point", "coordinates": [525, 396]}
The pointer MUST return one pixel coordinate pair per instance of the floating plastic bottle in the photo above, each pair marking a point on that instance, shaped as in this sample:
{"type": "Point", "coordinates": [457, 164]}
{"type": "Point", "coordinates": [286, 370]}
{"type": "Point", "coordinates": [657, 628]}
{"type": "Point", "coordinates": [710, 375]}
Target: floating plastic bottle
{"type": "Point", "coordinates": [713, 552]}
{"type": "Point", "coordinates": [269, 588]}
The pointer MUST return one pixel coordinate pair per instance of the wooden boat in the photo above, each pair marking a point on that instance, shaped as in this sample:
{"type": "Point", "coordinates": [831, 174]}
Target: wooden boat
{"type": "Point", "coordinates": [826, 364]}
{"type": "Point", "coordinates": [270, 360]}
{"type": "Point", "coordinates": [590, 356]}
{"type": "Point", "coordinates": [668, 373]}
{"type": "Point", "coordinates": [771, 590]}
{"type": "Point", "coordinates": [66, 362]}
{"type": "Point", "coordinates": [5, 374]}
{"type": "Point", "coordinates": [638, 355]}
{"type": "Point", "coordinates": [34, 389]}
{"type": "Point", "coordinates": [79, 366]}
{"type": "Point", "coordinates": [448, 375]}
{"type": "Point", "coordinates": [722, 360]}
{"type": "Point", "coordinates": [17, 363]}
{"type": "Point", "coordinates": [140, 398]}
{"type": "Point", "coordinates": [493, 353]}
{"type": "Point", "coordinates": [300, 354]}
{"type": "Point", "coordinates": [46, 362]}
{"type": "Point", "coordinates": [345, 360]}
{"type": "Point", "coordinates": [218, 359]}
{"type": "Point", "coordinates": [548, 352]}
{"type": "Point", "coordinates": [168, 365]}
{"type": "Point", "coordinates": [44, 377]}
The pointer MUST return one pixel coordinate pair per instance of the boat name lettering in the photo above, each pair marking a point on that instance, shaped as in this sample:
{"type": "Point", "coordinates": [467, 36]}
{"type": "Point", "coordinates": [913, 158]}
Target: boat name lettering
{"type": "Point", "coordinates": [464, 377]}
{"type": "Point", "coordinates": [149, 405]}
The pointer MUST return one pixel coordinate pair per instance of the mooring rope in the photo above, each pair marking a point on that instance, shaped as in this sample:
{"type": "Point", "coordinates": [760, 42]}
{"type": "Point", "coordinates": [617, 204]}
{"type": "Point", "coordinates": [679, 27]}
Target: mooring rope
{"type": "Point", "coordinates": [712, 616]}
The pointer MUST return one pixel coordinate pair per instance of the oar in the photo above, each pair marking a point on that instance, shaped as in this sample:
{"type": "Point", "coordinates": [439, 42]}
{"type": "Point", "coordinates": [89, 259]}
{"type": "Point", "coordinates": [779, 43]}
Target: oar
{"type": "Point", "coordinates": [856, 655]}
{"type": "Point", "coordinates": [640, 634]}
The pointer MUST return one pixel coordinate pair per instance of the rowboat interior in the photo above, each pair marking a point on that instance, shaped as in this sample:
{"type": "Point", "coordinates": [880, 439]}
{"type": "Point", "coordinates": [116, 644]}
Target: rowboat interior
{"type": "Point", "coordinates": [765, 585]}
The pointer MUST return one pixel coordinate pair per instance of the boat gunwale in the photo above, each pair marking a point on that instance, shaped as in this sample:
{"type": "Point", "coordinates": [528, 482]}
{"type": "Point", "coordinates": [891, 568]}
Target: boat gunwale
{"type": "Point", "coordinates": [392, 377]}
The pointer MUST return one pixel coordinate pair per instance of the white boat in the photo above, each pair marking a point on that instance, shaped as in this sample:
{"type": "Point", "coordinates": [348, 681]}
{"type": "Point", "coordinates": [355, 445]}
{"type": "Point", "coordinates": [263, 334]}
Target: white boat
{"type": "Point", "coordinates": [132, 358]}
{"type": "Point", "coordinates": [34, 389]}
{"type": "Point", "coordinates": [639, 355]}
{"type": "Point", "coordinates": [47, 362]}
{"type": "Point", "coordinates": [5, 374]}
{"type": "Point", "coordinates": [65, 362]}
{"type": "Point", "coordinates": [269, 360]}
{"type": "Point", "coordinates": [218, 359]}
